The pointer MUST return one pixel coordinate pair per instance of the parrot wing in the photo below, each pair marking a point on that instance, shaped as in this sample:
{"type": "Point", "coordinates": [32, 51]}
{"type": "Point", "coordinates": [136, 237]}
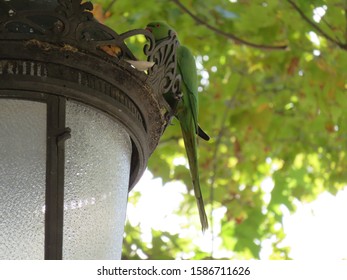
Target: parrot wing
{"type": "Point", "coordinates": [202, 134]}
{"type": "Point", "coordinates": [187, 68]}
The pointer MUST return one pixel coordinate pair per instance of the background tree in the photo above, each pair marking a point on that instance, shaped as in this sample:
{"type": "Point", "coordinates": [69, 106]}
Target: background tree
{"type": "Point", "coordinates": [273, 85]}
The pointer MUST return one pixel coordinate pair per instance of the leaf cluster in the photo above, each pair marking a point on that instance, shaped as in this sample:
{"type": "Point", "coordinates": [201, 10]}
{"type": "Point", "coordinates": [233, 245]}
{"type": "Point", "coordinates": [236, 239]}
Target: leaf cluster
{"type": "Point", "coordinates": [277, 117]}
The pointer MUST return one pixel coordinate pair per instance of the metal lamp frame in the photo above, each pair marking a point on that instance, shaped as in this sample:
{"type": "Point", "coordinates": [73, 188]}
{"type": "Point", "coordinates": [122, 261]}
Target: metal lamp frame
{"type": "Point", "coordinates": [53, 52]}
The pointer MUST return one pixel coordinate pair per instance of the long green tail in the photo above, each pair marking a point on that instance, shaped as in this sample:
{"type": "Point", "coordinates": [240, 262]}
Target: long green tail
{"type": "Point", "coordinates": [190, 144]}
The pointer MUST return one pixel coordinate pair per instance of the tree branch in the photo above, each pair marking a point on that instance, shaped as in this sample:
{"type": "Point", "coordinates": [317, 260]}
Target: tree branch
{"type": "Point", "coordinates": [226, 34]}
{"type": "Point", "coordinates": [316, 27]}
{"type": "Point", "coordinates": [330, 27]}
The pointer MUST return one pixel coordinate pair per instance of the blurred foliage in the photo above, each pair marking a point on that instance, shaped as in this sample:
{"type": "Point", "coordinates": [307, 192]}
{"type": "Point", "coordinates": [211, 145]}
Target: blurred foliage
{"type": "Point", "coordinates": [275, 116]}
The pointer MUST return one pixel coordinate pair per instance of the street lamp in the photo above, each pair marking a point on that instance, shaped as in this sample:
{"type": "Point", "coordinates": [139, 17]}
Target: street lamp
{"type": "Point", "coordinates": [77, 126]}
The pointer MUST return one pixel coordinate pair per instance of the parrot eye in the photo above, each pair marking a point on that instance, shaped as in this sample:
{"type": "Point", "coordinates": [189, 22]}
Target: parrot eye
{"type": "Point", "coordinates": [158, 25]}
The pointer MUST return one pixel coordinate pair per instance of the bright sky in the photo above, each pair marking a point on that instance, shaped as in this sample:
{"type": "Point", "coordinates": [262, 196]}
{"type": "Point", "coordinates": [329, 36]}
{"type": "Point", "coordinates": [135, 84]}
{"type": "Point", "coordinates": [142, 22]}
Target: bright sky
{"type": "Point", "coordinates": [317, 230]}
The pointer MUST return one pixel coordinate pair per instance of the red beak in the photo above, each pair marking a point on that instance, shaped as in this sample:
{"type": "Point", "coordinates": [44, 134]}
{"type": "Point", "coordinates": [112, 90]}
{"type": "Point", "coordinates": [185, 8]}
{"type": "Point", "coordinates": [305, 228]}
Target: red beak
{"type": "Point", "coordinates": [149, 29]}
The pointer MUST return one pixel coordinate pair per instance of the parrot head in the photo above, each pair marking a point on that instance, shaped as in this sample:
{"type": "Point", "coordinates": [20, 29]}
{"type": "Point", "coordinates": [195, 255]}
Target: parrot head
{"type": "Point", "coordinates": [159, 29]}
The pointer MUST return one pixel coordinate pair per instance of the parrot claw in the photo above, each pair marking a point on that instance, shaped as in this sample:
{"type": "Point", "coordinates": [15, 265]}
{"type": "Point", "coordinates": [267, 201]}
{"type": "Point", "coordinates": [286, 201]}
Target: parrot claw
{"type": "Point", "coordinates": [178, 96]}
{"type": "Point", "coordinates": [168, 118]}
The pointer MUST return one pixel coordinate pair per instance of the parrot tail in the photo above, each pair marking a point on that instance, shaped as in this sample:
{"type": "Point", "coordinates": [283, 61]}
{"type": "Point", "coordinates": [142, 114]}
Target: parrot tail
{"type": "Point", "coordinates": [190, 143]}
{"type": "Point", "coordinates": [202, 214]}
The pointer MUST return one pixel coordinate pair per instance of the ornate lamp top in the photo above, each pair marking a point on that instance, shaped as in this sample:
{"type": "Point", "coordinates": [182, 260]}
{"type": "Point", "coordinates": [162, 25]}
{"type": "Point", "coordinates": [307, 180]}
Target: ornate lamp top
{"type": "Point", "coordinates": [63, 21]}
{"type": "Point", "coordinates": [68, 26]}
{"type": "Point", "coordinates": [71, 25]}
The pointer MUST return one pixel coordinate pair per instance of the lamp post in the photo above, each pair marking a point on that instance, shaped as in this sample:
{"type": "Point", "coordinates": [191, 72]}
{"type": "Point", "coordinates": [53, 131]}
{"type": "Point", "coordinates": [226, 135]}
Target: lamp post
{"type": "Point", "coordinates": [77, 126]}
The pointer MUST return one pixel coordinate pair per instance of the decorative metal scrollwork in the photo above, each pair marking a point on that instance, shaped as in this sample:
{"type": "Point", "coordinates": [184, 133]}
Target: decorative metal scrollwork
{"type": "Point", "coordinates": [70, 26]}
{"type": "Point", "coordinates": [68, 22]}
{"type": "Point", "coordinates": [163, 76]}
{"type": "Point", "coordinates": [75, 8]}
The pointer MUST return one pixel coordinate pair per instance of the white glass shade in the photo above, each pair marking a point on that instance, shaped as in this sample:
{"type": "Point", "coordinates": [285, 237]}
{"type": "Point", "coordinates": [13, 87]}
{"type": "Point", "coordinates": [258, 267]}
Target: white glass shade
{"type": "Point", "coordinates": [22, 178]}
{"type": "Point", "coordinates": [96, 184]}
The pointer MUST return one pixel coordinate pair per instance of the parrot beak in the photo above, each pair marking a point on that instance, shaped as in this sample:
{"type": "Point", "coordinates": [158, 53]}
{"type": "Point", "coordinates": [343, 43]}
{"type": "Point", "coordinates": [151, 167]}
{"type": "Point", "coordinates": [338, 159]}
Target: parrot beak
{"type": "Point", "coordinates": [149, 29]}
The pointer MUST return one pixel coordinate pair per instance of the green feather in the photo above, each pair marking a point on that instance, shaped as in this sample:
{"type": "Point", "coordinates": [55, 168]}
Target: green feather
{"type": "Point", "coordinates": [187, 111]}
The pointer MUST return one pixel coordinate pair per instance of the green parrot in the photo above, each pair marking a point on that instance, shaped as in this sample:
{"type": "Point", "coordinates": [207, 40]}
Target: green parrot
{"type": "Point", "coordinates": [186, 110]}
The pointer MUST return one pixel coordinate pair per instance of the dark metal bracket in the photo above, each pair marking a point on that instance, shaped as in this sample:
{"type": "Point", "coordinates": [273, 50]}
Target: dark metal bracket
{"type": "Point", "coordinates": [55, 169]}
{"type": "Point", "coordinates": [63, 136]}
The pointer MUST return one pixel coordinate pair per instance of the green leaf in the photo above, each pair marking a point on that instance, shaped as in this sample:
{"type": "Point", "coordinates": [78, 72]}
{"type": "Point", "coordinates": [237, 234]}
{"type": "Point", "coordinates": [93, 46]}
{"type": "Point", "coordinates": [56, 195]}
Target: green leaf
{"type": "Point", "coordinates": [278, 114]}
